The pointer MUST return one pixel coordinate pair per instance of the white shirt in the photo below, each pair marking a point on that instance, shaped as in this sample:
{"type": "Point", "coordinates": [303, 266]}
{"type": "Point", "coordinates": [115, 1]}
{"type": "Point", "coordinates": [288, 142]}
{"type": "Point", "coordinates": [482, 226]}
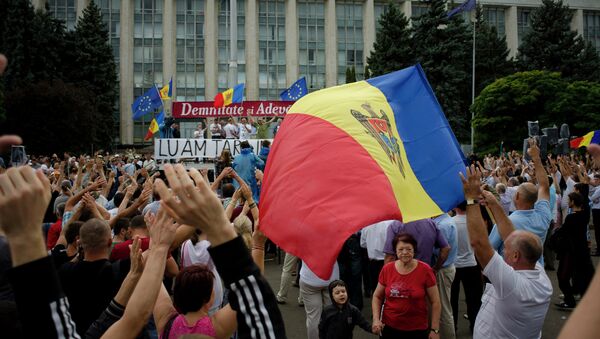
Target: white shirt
{"type": "Point", "coordinates": [373, 239]}
{"type": "Point", "coordinates": [564, 202]}
{"type": "Point", "coordinates": [511, 192]}
{"type": "Point", "coordinates": [230, 131]}
{"type": "Point", "coordinates": [464, 256]}
{"type": "Point", "coordinates": [515, 304]}
{"type": "Point", "coordinates": [198, 254]}
{"type": "Point", "coordinates": [595, 196]}
{"type": "Point", "coordinates": [245, 131]}
{"type": "Point", "coordinates": [149, 165]}
{"type": "Point", "coordinates": [215, 129]}
{"type": "Point", "coordinates": [308, 277]}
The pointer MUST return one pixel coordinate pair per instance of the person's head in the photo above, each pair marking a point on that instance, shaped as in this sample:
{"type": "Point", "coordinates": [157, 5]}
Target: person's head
{"type": "Point", "coordinates": [94, 236]}
{"type": "Point", "coordinates": [60, 210]}
{"type": "Point", "coordinates": [72, 232]}
{"type": "Point", "coordinates": [137, 226]}
{"type": "Point", "coordinates": [230, 121]}
{"type": "Point", "coordinates": [500, 188]}
{"type": "Point", "coordinates": [522, 250]}
{"type": "Point", "coordinates": [338, 292]}
{"type": "Point", "coordinates": [175, 126]}
{"type": "Point", "coordinates": [575, 200]}
{"type": "Point", "coordinates": [227, 190]}
{"type": "Point", "coordinates": [193, 289]}
{"type": "Point", "coordinates": [513, 182]}
{"type": "Point", "coordinates": [244, 120]}
{"type": "Point", "coordinates": [405, 247]}
{"type": "Point", "coordinates": [266, 143]}
{"type": "Point", "coordinates": [583, 189]}
{"type": "Point", "coordinates": [226, 155]}
{"type": "Point", "coordinates": [121, 229]}
{"type": "Point", "coordinates": [461, 208]}
{"type": "Point", "coordinates": [526, 196]}
{"type": "Point", "coordinates": [243, 227]}
{"type": "Point", "coordinates": [244, 144]}
{"type": "Point", "coordinates": [118, 198]}
{"type": "Point", "coordinates": [65, 186]}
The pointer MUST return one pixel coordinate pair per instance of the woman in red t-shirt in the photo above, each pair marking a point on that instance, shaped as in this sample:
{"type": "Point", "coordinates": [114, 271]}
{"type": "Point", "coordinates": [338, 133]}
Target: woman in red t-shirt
{"type": "Point", "coordinates": [404, 285]}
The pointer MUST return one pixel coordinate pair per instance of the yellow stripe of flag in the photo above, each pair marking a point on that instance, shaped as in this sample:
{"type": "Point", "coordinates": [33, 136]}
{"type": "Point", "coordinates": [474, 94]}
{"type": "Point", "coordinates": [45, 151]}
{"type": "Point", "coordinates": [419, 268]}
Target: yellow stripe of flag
{"type": "Point", "coordinates": [369, 100]}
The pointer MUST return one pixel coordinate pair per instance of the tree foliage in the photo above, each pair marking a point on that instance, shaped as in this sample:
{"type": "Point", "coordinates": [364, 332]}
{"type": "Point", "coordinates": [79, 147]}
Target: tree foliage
{"type": "Point", "coordinates": [552, 45]}
{"type": "Point", "coordinates": [393, 48]}
{"type": "Point", "coordinates": [504, 107]}
{"type": "Point", "coordinates": [60, 87]}
{"type": "Point", "coordinates": [443, 48]}
{"type": "Point", "coordinates": [350, 75]}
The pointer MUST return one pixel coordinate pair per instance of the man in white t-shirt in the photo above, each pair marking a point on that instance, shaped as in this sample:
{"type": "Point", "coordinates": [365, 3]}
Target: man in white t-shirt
{"type": "Point", "coordinates": [373, 239]}
{"type": "Point", "coordinates": [515, 303]}
{"type": "Point", "coordinates": [231, 130]}
{"type": "Point", "coordinates": [245, 129]}
{"type": "Point", "coordinates": [216, 131]}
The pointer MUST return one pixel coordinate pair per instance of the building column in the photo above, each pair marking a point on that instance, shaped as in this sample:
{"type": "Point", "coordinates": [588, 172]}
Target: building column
{"type": "Point", "coordinates": [210, 50]}
{"type": "Point", "coordinates": [39, 5]}
{"type": "Point", "coordinates": [252, 89]}
{"type": "Point", "coordinates": [512, 32]}
{"type": "Point", "coordinates": [169, 48]}
{"type": "Point", "coordinates": [81, 5]}
{"type": "Point", "coordinates": [406, 8]}
{"type": "Point", "coordinates": [330, 44]}
{"type": "Point", "coordinates": [577, 21]}
{"type": "Point", "coordinates": [126, 72]}
{"type": "Point", "coordinates": [291, 42]}
{"type": "Point", "coordinates": [368, 28]}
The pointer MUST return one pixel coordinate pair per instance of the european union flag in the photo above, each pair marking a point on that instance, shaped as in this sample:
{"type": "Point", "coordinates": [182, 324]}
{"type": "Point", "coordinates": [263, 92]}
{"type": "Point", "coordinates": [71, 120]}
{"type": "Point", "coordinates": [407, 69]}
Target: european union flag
{"type": "Point", "coordinates": [296, 91]}
{"type": "Point", "coordinates": [466, 6]}
{"type": "Point", "coordinates": [147, 103]}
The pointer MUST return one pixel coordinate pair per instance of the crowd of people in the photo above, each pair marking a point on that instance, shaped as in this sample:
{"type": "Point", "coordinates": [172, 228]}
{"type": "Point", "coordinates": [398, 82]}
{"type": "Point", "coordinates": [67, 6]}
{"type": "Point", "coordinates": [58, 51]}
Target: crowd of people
{"type": "Point", "coordinates": [242, 128]}
{"type": "Point", "coordinates": [109, 246]}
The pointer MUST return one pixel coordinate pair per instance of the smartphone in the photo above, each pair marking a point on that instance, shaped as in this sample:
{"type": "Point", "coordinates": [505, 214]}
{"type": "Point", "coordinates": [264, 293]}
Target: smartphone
{"type": "Point", "coordinates": [18, 156]}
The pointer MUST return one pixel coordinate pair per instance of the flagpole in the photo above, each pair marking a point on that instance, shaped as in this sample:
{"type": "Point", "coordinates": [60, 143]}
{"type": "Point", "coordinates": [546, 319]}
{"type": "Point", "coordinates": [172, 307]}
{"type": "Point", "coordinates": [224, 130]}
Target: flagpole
{"type": "Point", "coordinates": [473, 86]}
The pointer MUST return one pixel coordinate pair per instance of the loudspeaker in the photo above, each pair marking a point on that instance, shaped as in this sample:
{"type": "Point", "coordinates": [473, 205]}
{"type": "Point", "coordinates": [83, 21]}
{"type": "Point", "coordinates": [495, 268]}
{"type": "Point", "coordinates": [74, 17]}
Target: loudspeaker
{"type": "Point", "coordinates": [552, 134]}
{"type": "Point", "coordinates": [525, 147]}
{"type": "Point", "coordinates": [542, 142]}
{"type": "Point", "coordinates": [563, 147]}
{"type": "Point", "coordinates": [533, 128]}
{"type": "Point", "coordinates": [564, 131]}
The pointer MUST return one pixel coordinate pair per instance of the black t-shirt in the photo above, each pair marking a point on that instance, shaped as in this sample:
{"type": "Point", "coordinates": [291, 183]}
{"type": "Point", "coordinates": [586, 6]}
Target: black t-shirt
{"type": "Point", "coordinates": [575, 227]}
{"type": "Point", "coordinates": [89, 287]}
{"type": "Point", "coordinates": [59, 255]}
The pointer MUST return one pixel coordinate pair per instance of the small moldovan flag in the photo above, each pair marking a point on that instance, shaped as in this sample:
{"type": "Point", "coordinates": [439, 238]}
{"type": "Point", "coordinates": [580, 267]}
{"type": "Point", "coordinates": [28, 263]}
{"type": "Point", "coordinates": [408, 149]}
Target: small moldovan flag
{"type": "Point", "coordinates": [165, 92]}
{"type": "Point", "coordinates": [231, 96]}
{"type": "Point", "coordinates": [156, 122]}
{"type": "Point", "coordinates": [584, 141]}
{"type": "Point", "coordinates": [296, 91]}
{"type": "Point", "coordinates": [147, 103]}
{"type": "Point", "coordinates": [378, 149]}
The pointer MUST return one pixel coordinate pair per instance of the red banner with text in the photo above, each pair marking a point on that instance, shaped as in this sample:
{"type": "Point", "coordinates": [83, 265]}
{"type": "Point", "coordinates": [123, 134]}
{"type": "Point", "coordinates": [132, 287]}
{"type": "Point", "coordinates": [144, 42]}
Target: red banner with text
{"type": "Point", "coordinates": [205, 109]}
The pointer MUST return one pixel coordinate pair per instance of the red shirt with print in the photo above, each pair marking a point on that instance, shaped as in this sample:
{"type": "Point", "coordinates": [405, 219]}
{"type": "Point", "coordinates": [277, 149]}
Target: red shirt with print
{"type": "Point", "coordinates": [406, 296]}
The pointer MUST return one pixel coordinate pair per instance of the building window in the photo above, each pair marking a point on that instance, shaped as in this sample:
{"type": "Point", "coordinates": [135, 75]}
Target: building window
{"type": "Point", "coordinates": [350, 42]}
{"type": "Point", "coordinates": [494, 16]}
{"type": "Point", "coordinates": [64, 10]}
{"type": "Point", "coordinates": [147, 55]}
{"type": "Point", "coordinates": [271, 44]}
{"type": "Point", "coordinates": [418, 8]}
{"type": "Point", "coordinates": [591, 27]}
{"type": "Point", "coordinates": [523, 23]}
{"type": "Point", "coordinates": [311, 31]}
{"type": "Point", "coordinates": [111, 17]}
{"type": "Point", "coordinates": [223, 46]}
{"type": "Point", "coordinates": [190, 50]}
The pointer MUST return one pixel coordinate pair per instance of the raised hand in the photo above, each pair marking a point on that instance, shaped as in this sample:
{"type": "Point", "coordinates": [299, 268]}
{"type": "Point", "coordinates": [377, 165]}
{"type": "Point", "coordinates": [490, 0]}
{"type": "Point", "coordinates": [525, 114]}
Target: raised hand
{"type": "Point", "coordinates": [472, 184]}
{"type": "Point", "coordinates": [162, 229]}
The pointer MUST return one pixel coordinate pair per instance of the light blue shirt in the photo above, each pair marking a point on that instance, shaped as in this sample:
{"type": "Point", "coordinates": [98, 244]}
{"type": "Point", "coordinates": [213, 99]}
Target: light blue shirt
{"type": "Point", "coordinates": [535, 221]}
{"type": "Point", "coordinates": [448, 228]}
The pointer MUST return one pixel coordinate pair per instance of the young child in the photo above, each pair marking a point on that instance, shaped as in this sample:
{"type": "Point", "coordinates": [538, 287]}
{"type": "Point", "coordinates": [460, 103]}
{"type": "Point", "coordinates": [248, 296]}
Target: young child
{"type": "Point", "coordinates": [339, 318]}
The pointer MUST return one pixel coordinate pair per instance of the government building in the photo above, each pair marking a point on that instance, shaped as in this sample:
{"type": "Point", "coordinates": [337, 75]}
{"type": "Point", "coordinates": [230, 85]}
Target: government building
{"type": "Point", "coordinates": [278, 41]}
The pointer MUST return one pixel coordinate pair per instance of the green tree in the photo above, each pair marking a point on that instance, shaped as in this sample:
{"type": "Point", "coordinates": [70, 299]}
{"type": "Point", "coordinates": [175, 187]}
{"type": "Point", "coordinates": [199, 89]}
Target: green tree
{"type": "Point", "coordinates": [504, 107]}
{"type": "Point", "coordinates": [577, 105]}
{"type": "Point", "coordinates": [49, 53]}
{"type": "Point", "coordinates": [443, 47]}
{"type": "Point", "coordinates": [350, 74]}
{"type": "Point", "coordinates": [96, 70]}
{"type": "Point", "coordinates": [52, 116]}
{"type": "Point", "coordinates": [491, 57]}
{"type": "Point", "coordinates": [552, 45]}
{"type": "Point", "coordinates": [393, 48]}
{"type": "Point", "coordinates": [17, 30]}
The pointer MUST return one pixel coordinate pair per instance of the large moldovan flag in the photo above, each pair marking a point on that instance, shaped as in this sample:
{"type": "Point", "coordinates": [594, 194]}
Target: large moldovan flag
{"type": "Point", "coordinates": [349, 156]}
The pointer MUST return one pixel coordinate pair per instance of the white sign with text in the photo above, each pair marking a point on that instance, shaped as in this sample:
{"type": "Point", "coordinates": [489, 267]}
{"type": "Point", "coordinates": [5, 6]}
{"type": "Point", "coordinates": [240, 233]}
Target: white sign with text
{"type": "Point", "coordinates": [167, 149]}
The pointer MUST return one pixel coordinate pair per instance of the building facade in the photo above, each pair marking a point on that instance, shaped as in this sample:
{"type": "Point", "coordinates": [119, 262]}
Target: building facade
{"type": "Point", "coordinates": [278, 41]}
